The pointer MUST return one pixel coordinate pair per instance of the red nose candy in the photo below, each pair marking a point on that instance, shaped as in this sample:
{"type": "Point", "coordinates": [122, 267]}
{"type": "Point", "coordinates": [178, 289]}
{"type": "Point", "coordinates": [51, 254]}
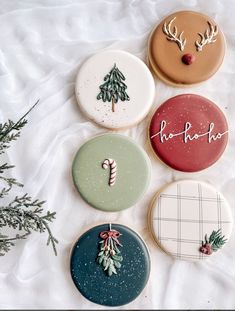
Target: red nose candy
{"type": "Point", "coordinates": [188, 59]}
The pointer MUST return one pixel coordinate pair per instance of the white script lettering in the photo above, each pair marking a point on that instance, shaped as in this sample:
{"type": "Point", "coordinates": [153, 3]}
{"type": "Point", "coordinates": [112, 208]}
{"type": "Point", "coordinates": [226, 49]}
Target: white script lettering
{"type": "Point", "coordinates": [185, 135]}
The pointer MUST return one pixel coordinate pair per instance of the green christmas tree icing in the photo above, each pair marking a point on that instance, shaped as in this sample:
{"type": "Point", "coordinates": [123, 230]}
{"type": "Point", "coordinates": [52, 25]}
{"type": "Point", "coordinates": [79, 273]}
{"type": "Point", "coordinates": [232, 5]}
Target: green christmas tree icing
{"type": "Point", "coordinates": [113, 89]}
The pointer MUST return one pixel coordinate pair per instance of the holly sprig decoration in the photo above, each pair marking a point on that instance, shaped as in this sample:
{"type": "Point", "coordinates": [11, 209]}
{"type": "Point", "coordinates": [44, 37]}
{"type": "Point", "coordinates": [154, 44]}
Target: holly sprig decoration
{"type": "Point", "coordinates": [110, 257]}
{"type": "Point", "coordinates": [113, 88]}
{"type": "Point", "coordinates": [215, 242]}
{"type": "Point", "coordinates": [22, 214]}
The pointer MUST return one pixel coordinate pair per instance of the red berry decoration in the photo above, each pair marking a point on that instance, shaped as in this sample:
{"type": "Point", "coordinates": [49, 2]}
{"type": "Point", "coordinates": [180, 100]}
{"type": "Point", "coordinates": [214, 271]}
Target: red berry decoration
{"type": "Point", "coordinates": [188, 59]}
{"type": "Point", "coordinates": [206, 249]}
{"type": "Point", "coordinates": [215, 241]}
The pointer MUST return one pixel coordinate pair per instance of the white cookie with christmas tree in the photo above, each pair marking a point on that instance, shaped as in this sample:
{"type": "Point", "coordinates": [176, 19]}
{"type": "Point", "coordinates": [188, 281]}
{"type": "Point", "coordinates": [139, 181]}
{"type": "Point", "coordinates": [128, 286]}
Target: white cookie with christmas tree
{"type": "Point", "coordinates": [115, 89]}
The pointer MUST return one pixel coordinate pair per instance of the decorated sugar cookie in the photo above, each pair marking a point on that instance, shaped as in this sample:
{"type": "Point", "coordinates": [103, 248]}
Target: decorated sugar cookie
{"type": "Point", "coordinates": [115, 89]}
{"type": "Point", "coordinates": [110, 264]}
{"type": "Point", "coordinates": [188, 132]}
{"type": "Point", "coordinates": [186, 48]}
{"type": "Point", "coordinates": [111, 172]}
{"type": "Point", "coordinates": [190, 220]}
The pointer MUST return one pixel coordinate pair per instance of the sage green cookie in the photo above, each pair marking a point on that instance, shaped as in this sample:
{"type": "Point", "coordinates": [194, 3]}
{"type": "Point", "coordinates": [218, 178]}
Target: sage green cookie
{"type": "Point", "coordinates": [111, 172]}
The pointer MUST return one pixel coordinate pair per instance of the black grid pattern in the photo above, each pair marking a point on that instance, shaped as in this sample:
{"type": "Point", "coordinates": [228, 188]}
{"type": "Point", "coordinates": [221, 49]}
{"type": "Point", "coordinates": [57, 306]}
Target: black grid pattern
{"type": "Point", "coordinates": [179, 243]}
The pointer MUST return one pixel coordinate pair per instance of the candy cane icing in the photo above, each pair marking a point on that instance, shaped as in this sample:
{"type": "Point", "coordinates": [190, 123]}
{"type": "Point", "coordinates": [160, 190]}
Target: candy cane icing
{"type": "Point", "coordinates": [113, 170]}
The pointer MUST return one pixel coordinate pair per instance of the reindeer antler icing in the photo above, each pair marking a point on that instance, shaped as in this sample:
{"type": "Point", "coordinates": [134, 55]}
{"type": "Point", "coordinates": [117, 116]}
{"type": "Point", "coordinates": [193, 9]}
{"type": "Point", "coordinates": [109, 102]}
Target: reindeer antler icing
{"type": "Point", "coordinates": [172, 35]}
{"type": "Point", "coordinates": [208, 37]}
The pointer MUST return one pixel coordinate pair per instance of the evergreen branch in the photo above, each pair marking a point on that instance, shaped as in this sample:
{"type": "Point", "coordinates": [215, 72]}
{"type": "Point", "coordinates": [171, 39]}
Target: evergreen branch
{"type": "Point", "coordinates": [4, 167]}
{"type": "Point", "coordinates": [23, 213]}
{"type": "Point", "coordinates": [6, 129]}
{"type": "Point", "coordinates": [18, 215]}
{"type": "Point", "coordinates": [11, 181]}
{"type": "Point", "coordinates": [6, 137]}
{"type": "Point", "coordinates": [16, 126]}
{"type": "Point", "coordinates": [51, 239]}
{"type": "Point", "coordinates": [6, 243]}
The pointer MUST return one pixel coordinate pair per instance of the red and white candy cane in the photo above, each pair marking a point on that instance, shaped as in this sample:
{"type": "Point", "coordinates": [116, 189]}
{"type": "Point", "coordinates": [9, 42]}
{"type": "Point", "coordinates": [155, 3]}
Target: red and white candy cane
{"type": "Point", "coordinates": [113, 170]}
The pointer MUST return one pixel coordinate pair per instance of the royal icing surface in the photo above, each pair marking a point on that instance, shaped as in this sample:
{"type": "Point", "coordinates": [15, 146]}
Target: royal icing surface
{"type": "Point", "coordinates": [111, 172]}
{"type": "Point", "coordinates": [190, 220]}
{"type": "Point", "coordinates": [110, 264]}
{"type": "Point", "coordinates": [186, 48]}
{"type": "Point", "coordinates": [188, 132]}
{"type": "Point", "coordinates": [115, 89]}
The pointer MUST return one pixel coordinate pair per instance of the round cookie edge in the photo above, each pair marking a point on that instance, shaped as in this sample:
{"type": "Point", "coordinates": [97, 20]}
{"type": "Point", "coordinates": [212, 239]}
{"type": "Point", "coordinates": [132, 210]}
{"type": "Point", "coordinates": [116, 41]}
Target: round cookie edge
{"type": "Point", "coordinates": [160, 160]}
{"type": "Point", "coordinates": [113, 128]}
{"type": "Point", "coordinates": [143, 152]}
{"type": "Point", "coordinates": [160, 75]}
{"type": "Point", "coordinates": [154, 200]}
{"type": "Point", "coordinates": [100, 223]}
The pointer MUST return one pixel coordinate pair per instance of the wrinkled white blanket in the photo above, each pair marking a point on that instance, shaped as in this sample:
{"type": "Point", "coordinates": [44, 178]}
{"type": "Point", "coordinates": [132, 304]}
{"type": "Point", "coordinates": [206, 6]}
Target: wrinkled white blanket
{"type": "Point", "coordinates": [42, 44]}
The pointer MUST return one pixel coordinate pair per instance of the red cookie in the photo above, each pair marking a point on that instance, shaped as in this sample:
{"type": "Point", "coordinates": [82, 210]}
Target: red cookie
{"type": "Point", "coordinates": [188, 132]}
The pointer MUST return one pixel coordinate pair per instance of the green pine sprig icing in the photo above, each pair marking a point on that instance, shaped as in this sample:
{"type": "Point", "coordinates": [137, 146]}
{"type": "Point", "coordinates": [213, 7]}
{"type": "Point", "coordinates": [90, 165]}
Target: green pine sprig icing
{"type": "Point", "coordinates": [109, 257]}
{"type": "Point", "coordinates": [216, 240]}
{"type": "Point", "coordinates": [22, 214]}
{"type": "Point", "coordinates": [113, 88]}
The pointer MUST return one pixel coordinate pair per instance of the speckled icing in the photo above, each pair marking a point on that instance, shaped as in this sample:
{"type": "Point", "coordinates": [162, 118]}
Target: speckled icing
{"type": "Point", "coordinates": [139, 86]}
{"type": "Point", "coordinates": [94, 283]}
{"type": "Point", "coordinates": [92, 181]}
{"type": "Point", "coordinates": [188, 132]}
{"type": "Point", "coordinates": [183, 213]}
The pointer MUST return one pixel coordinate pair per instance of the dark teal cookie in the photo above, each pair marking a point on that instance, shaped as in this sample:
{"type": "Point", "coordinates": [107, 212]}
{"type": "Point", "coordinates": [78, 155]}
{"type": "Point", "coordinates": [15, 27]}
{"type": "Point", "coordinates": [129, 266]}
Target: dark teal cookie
{"type": "Point", "coordinates": [110, 265]}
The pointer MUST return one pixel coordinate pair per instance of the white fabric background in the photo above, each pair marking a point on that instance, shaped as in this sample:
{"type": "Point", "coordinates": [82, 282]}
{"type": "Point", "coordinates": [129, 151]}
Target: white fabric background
{"type": "Point", "coordinates": [42, 44]}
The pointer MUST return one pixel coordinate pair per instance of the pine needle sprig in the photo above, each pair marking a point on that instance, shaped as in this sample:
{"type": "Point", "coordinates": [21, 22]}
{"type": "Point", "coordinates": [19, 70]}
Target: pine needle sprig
{"type": "Point", "coordinates": [6, 243]}
{"type": "Point", "coordinates": [23, 213]}
{"type": "Point", "coordinates": [217, 240]}
{"type": "Point", "coordinates": [10, 182]}
{"type": "Point", "coordinates": [10, 131]}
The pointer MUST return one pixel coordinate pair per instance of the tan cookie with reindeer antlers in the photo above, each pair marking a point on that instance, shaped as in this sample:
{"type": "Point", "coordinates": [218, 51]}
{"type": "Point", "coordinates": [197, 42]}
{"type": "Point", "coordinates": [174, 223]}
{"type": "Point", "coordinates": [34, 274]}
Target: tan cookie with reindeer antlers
{"type": "Point", "coordinates": [186, 48]}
